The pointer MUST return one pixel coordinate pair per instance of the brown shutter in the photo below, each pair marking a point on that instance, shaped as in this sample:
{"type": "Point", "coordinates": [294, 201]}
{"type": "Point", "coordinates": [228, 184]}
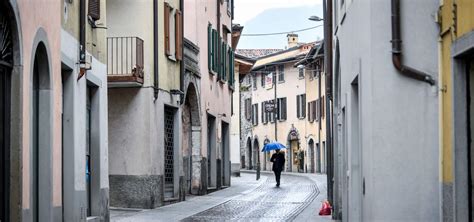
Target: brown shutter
{"type": "Point", "coordinates": [179, 35]}
{"type": "Point", "coordinates": [167, 28]}
{"type": "Point", "coordinates": [94, 9]}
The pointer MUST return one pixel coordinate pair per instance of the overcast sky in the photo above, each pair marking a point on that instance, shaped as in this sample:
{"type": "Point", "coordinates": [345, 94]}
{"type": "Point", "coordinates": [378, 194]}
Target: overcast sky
{"type": "Point", "coordinates": [270, 16]}
{"type": "Point", "coordinates": [245, 10]}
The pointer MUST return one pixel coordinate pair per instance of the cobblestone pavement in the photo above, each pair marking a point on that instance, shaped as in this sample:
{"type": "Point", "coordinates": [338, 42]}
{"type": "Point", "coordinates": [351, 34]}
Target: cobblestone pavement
{"type": "Point", "coordinates": [266, 203]}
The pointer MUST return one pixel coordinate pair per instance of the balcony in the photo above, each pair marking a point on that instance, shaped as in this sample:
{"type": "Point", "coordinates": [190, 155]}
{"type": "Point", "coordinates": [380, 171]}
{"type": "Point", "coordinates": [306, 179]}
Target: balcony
{"type": "Point", "coordinates": [124, 62]}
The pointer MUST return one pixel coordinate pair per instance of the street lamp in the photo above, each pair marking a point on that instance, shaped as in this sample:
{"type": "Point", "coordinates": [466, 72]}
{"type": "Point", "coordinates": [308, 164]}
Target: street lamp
{"type": "Point", "coordinates": [315, 18]}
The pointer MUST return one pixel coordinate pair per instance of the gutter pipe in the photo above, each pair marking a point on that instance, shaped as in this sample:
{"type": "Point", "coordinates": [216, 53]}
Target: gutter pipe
{"type": "Point", "coordinates": [155, 50]}
{"type": "Point", "coordinates": [397, 49]}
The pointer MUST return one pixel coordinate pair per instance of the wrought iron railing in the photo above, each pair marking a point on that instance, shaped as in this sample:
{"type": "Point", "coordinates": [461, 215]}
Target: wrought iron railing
{"type": "Point", "coordinates": [125, 58]}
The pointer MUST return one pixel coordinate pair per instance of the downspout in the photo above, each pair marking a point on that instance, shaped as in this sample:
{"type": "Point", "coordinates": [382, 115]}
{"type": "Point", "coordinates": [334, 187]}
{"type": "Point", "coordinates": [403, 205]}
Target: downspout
{"type": "Point", "coordinates": [397, 49]}
{"type": "Point", "coordinates": [82, 37]}
{"type": "Point", "coordinates": [328, 16]}
{"type": "Point", "coordinates": [181, 74]}
{"type": "Point", "coordinates": [155, 51]}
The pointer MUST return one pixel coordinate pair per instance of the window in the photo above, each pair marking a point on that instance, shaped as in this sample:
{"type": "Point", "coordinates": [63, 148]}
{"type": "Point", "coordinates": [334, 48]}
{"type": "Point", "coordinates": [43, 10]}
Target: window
{"type": "Point", "coordinates": [301, 73]}
{"type": "Point", "coordinates": [178, 34]}
{"type": "Point", "coordinates": [248, 109]}
{"type": "Point", "coordinates": [281, 109]}
{"type": "Point", "coordinates": [271, 115]}
{"type": "Point", "coordinates": [231, 65]}
{"type": "Point", "coordinates": [281, 73]}
{"type": "Point", "coordinates": [262, 80]}
{"type": "Point", "coordinates": [94, 9]}
{"type": "Point", "coordinates": [301, 106]}
{"type": "Point", "coordinates": [173, 35]}
{"type": "Point", "coordinates": [313, 112]}
{"type": "Point", "coordinates": [254, 81]}
{"type": "Point", "coordinates": [264, 114]}
{"type": "Point", "coordinates": [255, 114]}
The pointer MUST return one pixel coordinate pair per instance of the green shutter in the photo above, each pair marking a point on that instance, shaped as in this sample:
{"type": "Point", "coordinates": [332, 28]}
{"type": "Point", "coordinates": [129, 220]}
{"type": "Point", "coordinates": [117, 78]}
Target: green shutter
{"type": "Point", "coordinates": [224, 61]}
{"type": "Point", "coordinates": [209, 47]}
{"type": "Point", "coordinates": [216, 51]}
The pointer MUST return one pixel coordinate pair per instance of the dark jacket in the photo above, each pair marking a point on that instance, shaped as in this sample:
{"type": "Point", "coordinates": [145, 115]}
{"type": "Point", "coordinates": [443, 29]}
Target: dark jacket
{"type": "Point", "coordinates": [278, 160]}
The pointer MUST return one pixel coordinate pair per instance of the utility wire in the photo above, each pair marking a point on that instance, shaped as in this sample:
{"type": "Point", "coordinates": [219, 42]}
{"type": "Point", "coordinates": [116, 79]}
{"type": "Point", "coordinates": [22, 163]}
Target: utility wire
{"type": "Point", "coordinates": [281, 33]}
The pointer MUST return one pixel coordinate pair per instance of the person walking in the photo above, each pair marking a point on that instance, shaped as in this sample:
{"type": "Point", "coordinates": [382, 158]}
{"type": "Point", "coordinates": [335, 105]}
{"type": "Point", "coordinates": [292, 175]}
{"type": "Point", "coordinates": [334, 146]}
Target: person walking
{"type": "Point", "coordinates": [278, 160]}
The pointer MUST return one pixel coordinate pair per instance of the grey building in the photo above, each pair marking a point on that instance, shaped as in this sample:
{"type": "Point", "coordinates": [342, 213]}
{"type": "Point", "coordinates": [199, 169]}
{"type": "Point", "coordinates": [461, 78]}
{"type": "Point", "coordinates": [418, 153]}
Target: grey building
{"type": "Point", "coordinates": [386, 159]}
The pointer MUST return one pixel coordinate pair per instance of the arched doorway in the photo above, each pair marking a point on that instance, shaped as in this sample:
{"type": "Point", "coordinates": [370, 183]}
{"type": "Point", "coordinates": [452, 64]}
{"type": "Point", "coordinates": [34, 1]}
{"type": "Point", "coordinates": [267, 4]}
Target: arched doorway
{"type": "Point", "coordinates": [41, 134]}
{"type": "Point", "coordinates": [256, 154]}
{"type": "Point", "coordinates": [311, 155]}
{"type": "Point", "coordinates": [191, 124]}
{"type": "Point", "coordinates": [6, 65]}
{"type": "Point", "coordinates": [295, 155]}
{"type": "Point", "coordinates": [249, 153]}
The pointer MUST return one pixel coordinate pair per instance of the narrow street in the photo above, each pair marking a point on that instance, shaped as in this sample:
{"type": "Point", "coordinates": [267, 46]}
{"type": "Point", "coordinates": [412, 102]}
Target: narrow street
{"type": "Point", "coordinates": [297, 199]}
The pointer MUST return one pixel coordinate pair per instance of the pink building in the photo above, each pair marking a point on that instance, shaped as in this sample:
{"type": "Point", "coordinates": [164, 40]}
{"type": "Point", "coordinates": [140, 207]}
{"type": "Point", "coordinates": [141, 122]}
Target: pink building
{"type": "Point", "coordinates": [208, 93]}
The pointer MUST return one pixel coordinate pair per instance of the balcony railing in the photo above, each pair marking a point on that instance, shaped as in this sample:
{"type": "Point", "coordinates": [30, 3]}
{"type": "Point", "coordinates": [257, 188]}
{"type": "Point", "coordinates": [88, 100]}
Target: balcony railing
{"type": "Point", "coordinates": [125, 61]}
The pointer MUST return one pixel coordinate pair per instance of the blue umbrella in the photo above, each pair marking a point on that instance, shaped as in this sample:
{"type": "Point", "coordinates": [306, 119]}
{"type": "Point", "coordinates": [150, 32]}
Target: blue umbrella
{"type": "Point", "coordinates": [273, 146]}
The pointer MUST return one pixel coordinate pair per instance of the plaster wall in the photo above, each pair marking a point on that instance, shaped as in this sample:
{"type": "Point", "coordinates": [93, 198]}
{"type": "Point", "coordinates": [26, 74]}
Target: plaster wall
{"type": "Point", "coordinates": [216, 95]}
{"type": "Point", "coordinates": [399, 116]}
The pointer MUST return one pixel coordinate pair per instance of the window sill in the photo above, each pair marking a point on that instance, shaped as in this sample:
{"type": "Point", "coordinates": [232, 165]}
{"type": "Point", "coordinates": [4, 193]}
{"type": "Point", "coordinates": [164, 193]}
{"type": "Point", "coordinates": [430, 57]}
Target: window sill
{"type": "Point", "coordinates": [281, 81]}
{"type": "Point", "coordinates": [300, 78]}
{"type": "Point", "coordinates": [301, 118]}
{"type": "Point", "coordinates": [212, 72]}
{"type": "Point", "coordinates": [172, 58]}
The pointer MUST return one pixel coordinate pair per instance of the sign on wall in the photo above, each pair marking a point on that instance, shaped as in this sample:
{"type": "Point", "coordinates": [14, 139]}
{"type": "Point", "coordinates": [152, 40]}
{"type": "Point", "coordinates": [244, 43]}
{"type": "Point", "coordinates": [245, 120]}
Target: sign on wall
{"type": "Point", "coordinates": [269, 81]}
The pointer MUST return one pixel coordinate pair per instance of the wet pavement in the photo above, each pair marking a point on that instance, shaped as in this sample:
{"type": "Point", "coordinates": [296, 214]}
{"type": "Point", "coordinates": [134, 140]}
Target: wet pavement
{"type": "Point", "coordinates": [297, 199]}
{"type": "Point", "coordinates": [266, 203]}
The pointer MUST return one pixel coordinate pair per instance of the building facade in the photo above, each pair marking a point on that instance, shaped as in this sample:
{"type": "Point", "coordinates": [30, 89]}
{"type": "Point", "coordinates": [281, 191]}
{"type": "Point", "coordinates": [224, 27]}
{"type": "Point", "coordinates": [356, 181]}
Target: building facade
{"type": "Point", "coordinates": [295, 121]}
{"type": "Point", "coordinates": [386, 111]}
{"type": "Point", "coordinates": [312, 67]}
{"type": "Point", "coordinates": [84, 111]}
{"type": "Point", "coordinates": [53, 93]}
{"type": "Point", "coordinates": [241, 128]}
{"type": "Point", "coordinates": [209, 27]}
{"type": "Point", "coordinates": [456, 23]}
{"type": "Point", "coordinates": [144, 69]}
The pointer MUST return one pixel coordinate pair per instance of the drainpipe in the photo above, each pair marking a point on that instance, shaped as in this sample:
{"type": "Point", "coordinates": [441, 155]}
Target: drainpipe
{"type": "Point", "coordinates": [327, 5]}
{"type": "Point", "coordinates": [397, 49]}
{"type": "Point", "coordinates": [155, 50]}
{"type": "Point", "coordinates": [82, 37]}
{"type": "Point", "coordinates": [181, 73]}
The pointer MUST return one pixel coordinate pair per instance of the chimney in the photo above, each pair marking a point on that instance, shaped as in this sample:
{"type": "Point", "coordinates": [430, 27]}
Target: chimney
{"type": "Point", "coordinates": [292, 40]}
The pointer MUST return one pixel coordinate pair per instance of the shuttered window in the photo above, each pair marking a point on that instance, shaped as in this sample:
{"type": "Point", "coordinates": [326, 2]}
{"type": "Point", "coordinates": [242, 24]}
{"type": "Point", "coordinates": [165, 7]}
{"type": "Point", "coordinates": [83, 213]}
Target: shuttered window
{"type": "Point", "coordinates": [264, 114]}
{"type": "Point", "coordinates": [301, 106]}
{"type": "Point", "coordinates": [215, 49]}
{"type": "Point", "coordinates": [282, 109]}
{"type": "Point", "coordinates": [255, 114]}
{"type": "Point", "coordinates": [248, 109]}
{"type": "Point", "coordinates": [179, 35]}
{"type": "Point", "coordinates": [166, 20]}
{"type": "Point", "coordinates": [231, 66]}
{"type": "Point", "coordinates": [271, 115]}
{"type": "Point", "coordinates": [310, 112]}
{"type": "Point", "coordinates": [210, 52]}
{"type": "Point", "coordinates": [94, 9]}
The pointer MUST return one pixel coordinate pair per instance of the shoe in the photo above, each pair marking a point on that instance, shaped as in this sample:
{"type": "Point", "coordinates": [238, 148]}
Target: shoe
{"type": "Point", "coordinates": [278, 185]}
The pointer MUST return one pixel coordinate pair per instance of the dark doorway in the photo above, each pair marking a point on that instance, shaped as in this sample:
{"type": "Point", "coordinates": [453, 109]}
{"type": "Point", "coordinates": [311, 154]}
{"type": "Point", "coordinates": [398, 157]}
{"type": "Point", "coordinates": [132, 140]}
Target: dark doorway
{"type": "Point", "coordinates": [169, 153]}
{"type": "Point", "coordinates": [4, 136]}
{"type": "Point", "coordinates": [318, 158]}
{"type": "Point", "coordinates": [225, 154]}
{"type": "Point", "coordinates": [6, 64]}
{"type": "Point", "coordinates": [256, 154]}
{"type": "Point", "coordinates": [311, 155]}
{"type": "Point", "coordinates": [42, 135]}
{"type": "Point", "coordinates": [211, 152]}
{"type": "Point", "coordinates": [249, 150]}
{"type": "Point", "coordinates": [470, 120]}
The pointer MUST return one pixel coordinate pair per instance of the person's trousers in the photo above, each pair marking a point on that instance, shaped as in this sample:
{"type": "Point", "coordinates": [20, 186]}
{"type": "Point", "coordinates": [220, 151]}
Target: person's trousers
{"type": "Point", "coordinates": [277, 176]}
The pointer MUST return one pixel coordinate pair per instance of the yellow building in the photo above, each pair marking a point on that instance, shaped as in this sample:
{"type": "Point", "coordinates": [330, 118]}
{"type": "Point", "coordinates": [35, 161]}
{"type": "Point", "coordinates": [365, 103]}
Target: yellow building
{"type": "Point", "coordinates": [313, 67]}
{"type": "Point", "coordinates": [456, 20]}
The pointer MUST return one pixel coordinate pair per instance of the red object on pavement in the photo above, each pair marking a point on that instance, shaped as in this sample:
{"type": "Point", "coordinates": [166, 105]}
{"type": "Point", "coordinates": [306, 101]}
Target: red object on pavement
{"type": "Point", "coordinates": [325, 209]}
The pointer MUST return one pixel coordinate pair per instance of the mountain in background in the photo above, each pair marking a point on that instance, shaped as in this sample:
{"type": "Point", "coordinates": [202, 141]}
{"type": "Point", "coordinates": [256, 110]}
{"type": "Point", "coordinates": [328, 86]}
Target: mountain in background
{"type": "Point", "coordinates": [281, 20]}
